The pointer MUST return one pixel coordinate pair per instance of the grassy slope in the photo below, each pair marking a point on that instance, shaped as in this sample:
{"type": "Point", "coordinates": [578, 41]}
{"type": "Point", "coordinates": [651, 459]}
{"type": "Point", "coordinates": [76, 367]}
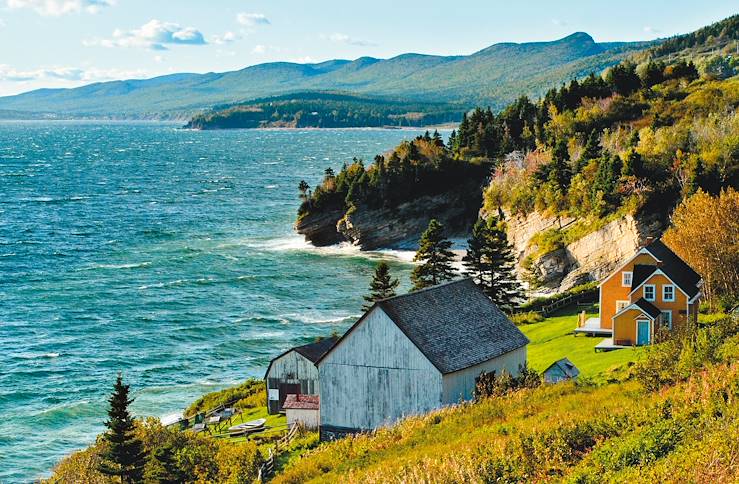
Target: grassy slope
{"type": "Point", "coordinates": [553, 339]}
{"type": "Point", "coordinates": [547, 434]}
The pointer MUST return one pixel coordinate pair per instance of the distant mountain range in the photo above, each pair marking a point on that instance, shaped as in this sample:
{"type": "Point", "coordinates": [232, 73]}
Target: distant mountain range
{"type": "Point", "coordinates": [493, 77]}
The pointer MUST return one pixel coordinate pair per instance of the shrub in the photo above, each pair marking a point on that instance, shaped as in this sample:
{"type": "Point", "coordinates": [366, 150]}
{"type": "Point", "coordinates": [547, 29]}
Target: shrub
{"type": "Point", "coordinates": [488, 384]}
{"type": "Point", "coordinates": [249, 394]}
{"type": "Point", "coordinates": [682, 354]}
{"type": "Point", "coordinates": [527, 318]}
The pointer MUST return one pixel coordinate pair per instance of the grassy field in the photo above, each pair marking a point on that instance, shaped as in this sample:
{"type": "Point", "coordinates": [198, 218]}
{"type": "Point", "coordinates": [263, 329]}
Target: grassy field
{"type": "Point", "coordinates": [553, 339]}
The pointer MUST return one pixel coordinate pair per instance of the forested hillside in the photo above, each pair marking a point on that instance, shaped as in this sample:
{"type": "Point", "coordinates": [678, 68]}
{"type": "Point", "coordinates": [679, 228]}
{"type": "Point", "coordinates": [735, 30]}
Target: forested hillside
{"type": "Point", "coordinates": [325, 110]}
{"type": "Point", "coordinates": [635, 139]}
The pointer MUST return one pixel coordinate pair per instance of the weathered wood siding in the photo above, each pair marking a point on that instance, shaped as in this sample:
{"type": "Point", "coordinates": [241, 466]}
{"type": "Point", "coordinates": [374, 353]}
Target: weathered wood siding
{"type": "Point", "coordinates": [376, 376]}
{"type": "Point", "coordinates": [308, 418]}
{"type": "Point", "coordinates": [460, 385]}
{"type": "Point", "coordinates": [294, 368]}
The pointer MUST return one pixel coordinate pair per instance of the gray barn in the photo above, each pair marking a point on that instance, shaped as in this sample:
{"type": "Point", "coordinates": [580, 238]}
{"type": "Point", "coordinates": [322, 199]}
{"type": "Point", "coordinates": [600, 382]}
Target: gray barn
{"type": "Point", "coordinates": [294, 372]}
{"type": "Point", "coordinates": [414, 353]}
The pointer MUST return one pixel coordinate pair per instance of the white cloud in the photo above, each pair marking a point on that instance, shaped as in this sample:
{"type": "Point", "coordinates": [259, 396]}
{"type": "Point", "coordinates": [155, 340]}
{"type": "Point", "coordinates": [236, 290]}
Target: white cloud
{"type": "Point", "coordinates": [154, 35]}
{"type": "Point", "coordinates": [60, 7]}
{"type": "Point", "coordinates": [226, 38]}
{"type": "Point", "coordinates": [339, 38]}
{"type": "Point", "coordinates": [259, 49]}
{"type": "Point", "coordinates": [559, 23]}
{"type": "Point", "coordinates": [252, 19]}
{"type": "Point", "coordinates": [651, 30]}
{"type": "Point", "coordinates": [8, 73]}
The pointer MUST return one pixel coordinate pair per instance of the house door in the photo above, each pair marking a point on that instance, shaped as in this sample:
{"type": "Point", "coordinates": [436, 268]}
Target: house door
{"type": "Point", "coordinates": [287, 389]}
{"type": "Point", "coordinates": [642, 332]}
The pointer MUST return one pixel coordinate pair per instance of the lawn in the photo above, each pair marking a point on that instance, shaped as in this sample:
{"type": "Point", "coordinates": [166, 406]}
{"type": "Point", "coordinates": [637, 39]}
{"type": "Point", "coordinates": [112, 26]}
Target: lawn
{"type": "Point", "coordinates": [276, 424]}
{"type": "Point", "coordinates": [553, 339]}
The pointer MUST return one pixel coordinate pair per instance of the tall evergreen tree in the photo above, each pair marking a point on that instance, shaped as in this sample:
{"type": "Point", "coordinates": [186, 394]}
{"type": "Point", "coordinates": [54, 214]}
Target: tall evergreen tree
{"type": "Point", "coordinates": [382, 286]}
{"type": "Point", "coordinates": [124, 455]}
{"type": "Point", "coordinates": [435, 256]}
{"type": "Point", "coordinates": [491, 263]}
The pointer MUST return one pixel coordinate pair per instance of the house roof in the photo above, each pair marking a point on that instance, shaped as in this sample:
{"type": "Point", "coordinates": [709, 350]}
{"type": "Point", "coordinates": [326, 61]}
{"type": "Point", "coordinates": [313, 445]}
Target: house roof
{"type": "Point", "coordinates": [567, 367]}
{"type": "Point", "coordinates": [302, 402]}
{"type": "Point", "coordinates": [311, 351]}
{"type": "Point", "coordinates": [641, 273]}
{"type": "Point", "coordinates": [455, 325]}
{"type": "Point", "coordinates": [647, 307]}
{"type": "Point", "coordinates": [675, 268]}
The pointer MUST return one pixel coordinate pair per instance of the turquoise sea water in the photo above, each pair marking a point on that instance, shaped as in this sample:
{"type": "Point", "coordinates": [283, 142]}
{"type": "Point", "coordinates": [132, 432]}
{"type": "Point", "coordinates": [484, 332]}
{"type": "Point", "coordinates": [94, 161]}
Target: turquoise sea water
{"type": "Point", "coordinates": [166, 254]}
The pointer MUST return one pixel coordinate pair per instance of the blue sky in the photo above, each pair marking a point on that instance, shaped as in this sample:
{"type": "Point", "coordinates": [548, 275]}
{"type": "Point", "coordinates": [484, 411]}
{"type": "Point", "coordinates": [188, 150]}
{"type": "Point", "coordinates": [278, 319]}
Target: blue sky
{"type": "Point", "coordinates": [66, 43]}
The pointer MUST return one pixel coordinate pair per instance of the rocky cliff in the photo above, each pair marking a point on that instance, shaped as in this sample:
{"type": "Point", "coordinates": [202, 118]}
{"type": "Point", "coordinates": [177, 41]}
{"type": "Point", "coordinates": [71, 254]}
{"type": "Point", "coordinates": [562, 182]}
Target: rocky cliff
{"type": "Point", "coordinates": [397, 227]}
{"type": "Point", "coordinates": [590, 258]}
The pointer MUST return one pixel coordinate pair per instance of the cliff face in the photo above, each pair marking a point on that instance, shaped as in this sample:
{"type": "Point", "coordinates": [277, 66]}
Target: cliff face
{"type": "Point", "coordinates": [397, 227]}
{"type": "Point", "coordinates": [590, 258]}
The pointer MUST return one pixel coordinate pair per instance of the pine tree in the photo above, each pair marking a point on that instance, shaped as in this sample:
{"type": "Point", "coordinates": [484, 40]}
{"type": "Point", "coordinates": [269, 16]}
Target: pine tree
{"type": "Point", "coordinates": [476, 260]}
{"type": "Point", "coordinates": [124, 456]}
{"type": "Point", "coordinates": [435, 256]}
{"type": "Point", "coordinates": [491, 263]}
{"type": "Point", "coordinates": [382, 285]}
{"type": "Point", "coordinates": [504, 289]}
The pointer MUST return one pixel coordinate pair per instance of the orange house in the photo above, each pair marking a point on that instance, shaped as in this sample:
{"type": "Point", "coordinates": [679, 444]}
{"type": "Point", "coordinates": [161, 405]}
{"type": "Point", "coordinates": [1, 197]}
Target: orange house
{"type": "Point", "coordinates": [653, 289]}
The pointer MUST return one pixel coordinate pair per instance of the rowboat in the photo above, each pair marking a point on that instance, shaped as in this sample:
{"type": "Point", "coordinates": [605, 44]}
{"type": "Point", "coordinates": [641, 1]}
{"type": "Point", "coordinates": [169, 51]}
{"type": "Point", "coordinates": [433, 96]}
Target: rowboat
{"type": "Point", "coordinates": [246, 427]}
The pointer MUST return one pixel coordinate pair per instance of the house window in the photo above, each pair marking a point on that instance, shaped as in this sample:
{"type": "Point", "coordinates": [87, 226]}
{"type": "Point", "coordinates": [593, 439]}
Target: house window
{"type": "Point", "coordinates": [649, 292]}
{"type": "Point", "coordinates": [626, 279]}
{"type": "Point", "coordinates": [667, 319]}
{"type": "Point", "coordinates": [621, 304]}
{"type": "Point", "coordinates": [668, 293]}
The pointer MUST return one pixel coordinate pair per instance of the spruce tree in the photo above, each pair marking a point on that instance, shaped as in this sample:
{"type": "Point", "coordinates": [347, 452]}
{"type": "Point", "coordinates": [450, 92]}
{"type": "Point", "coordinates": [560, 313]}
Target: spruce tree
{"type": "Point", "coordinates": [435, 256]}
{"type": "Point", "coordinates": [491, 263]}
{"type": "Point", "coordinates": [382, 285]}
{"type": "Point", "coordinates": [476, 260]}
{"type": "Point", "coordinates": [124, 455]}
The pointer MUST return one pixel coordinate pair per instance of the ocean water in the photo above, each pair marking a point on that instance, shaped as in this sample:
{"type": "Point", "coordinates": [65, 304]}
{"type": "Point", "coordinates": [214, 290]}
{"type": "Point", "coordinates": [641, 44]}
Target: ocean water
{"type": "Point", "coordinates": [161, 253]}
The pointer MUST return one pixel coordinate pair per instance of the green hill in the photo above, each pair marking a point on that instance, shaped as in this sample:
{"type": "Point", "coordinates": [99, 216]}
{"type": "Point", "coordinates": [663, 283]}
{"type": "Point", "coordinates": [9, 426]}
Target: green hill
{"type": "Point", "coordinates": [492, 76]}
{"type": "Point", "coordinates": [326, 110]}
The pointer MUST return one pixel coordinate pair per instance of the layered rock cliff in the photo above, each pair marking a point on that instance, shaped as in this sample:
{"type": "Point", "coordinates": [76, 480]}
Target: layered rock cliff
{"type": "Point", "coordinates": [396, 227]}
{"type": "Point", "coordinates": [589, 258]}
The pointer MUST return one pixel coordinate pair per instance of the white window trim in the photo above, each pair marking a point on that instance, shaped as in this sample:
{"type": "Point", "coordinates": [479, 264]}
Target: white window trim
{"type": "Point", "coordinates": [664, 298]}
{"type": "Point", "coordinates": [669, 323]}
{"type": "Point", "coordinates": [623, 305]}
{"type": "Point", "coordinates": [623, 278]}
{"type": "Point", "coordinates": [654, 292]}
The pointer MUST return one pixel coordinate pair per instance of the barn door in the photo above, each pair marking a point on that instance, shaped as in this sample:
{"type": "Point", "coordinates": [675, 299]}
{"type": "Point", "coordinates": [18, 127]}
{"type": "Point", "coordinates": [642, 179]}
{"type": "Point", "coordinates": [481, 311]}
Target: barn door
{"type": "Point", "coordinates": [288, 389]}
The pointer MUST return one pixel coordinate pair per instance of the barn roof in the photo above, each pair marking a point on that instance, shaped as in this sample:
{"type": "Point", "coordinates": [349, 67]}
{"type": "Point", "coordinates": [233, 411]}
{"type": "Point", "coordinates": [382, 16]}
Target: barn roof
{"type": "Point", "coordinates": [311, 351]}
{"type": "Point", "coordinates": [567, 367]}
{"type": "Point", "coordinates": [454, 325]}
{"type": "Point", "coordinates": [302, 402]}
{"type": "Point", "coordinates": [314, 351]}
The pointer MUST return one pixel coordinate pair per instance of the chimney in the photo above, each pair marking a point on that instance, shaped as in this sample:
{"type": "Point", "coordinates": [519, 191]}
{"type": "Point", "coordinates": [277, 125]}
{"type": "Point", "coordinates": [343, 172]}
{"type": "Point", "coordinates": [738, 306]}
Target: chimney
{"type": "Point", "coordinates": [647, 241]}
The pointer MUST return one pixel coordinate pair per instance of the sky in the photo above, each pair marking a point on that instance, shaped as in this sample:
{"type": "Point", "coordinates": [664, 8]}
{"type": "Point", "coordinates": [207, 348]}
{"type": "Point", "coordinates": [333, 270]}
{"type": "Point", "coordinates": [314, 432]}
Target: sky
{"type": "Point", "coordinates": [68, 43]}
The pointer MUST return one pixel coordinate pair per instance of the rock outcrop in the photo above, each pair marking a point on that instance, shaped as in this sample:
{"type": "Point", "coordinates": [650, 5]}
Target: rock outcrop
{"type": "Point", "coordinates": [590, 258]}
{"type": "Point", "coordinates": [319, 227]}
{"type": "Point", "coordinates": [397, 227]}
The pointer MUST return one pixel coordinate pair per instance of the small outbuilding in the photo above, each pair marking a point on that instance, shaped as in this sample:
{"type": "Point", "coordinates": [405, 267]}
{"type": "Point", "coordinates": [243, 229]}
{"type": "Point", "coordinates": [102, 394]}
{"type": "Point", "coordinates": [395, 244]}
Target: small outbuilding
{"type": "Point", "coordinates": [302, 410]}
{"type": "Point", "coordinates": [414, 353]}
{"type": "Point", "coordinates": [294, 372]}
{"type": "Point", "coordinates": [561, 370]}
